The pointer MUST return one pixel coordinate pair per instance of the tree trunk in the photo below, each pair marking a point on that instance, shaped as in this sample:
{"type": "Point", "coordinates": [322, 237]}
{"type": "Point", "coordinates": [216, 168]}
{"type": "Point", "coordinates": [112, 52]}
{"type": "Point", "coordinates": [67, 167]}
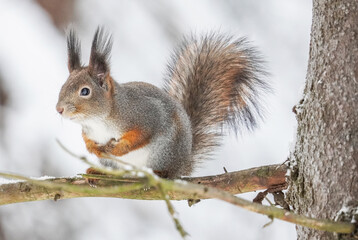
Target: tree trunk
{"type": "Point", "coordinates": [324, 177]}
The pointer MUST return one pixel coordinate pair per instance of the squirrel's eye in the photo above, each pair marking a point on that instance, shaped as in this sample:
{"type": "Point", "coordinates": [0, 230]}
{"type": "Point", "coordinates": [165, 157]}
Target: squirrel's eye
{"type": "Point", "coordinates": [85, 91]}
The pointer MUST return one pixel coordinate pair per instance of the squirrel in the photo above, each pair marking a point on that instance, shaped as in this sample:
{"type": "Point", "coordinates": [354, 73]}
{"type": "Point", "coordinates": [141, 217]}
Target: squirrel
{"type": "Point", "coordinates": [212, 82]}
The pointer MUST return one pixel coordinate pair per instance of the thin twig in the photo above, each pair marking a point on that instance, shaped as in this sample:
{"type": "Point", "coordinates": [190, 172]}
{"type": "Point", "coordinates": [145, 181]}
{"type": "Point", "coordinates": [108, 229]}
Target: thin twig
{"type": "Point", "coordinates": [270, 211]}
{"type": "Point", "coordinates": [172, 212]}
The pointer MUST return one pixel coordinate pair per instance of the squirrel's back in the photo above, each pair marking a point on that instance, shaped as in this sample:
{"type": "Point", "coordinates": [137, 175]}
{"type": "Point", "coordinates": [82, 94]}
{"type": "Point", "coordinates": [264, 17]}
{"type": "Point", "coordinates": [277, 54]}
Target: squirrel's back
{"type": "Point", "coordinates": [219, 81]}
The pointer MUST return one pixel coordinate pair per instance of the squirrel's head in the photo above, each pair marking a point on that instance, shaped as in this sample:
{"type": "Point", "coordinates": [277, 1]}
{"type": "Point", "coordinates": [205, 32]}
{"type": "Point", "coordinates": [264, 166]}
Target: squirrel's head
{"type": "Point", "coordinates": [88, 91]}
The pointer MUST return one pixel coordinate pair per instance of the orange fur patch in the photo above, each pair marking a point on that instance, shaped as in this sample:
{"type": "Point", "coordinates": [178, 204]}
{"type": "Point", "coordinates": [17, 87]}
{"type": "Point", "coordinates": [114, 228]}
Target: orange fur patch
{"type": "Point", "coordinates": [91, 146]}
{"type": "Point", "coordinates": [130, 141]}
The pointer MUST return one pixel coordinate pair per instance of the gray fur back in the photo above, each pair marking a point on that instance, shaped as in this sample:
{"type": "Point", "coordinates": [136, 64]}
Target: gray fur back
{"type": "Point", "coordinates": [154, 110]}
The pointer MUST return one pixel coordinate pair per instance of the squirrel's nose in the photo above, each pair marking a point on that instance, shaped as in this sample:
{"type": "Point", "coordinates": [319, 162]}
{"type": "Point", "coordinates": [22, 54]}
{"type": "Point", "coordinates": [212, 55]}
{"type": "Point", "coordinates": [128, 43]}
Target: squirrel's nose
{"type": "Point", "coordinates": [60, 110]}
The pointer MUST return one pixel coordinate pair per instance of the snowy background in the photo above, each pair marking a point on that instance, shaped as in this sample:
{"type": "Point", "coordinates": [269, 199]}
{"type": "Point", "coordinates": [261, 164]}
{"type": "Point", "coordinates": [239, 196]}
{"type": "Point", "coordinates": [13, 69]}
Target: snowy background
{"type": "Point", "coordinates": [33, 67]}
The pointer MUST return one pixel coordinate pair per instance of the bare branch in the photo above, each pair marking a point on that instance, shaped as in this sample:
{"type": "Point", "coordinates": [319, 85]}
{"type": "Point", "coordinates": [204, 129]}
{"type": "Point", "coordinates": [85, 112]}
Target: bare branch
{"type": "Point", "coordinates": [234, 182]}
{"type": "Point", "coordinates": [32, 190]}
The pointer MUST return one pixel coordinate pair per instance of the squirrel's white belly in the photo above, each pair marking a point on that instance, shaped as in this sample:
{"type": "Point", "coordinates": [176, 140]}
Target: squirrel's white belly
{"type": "Point", "coordinates": [138, 158]}
{"type": "Point", "coordinates": [99, 131]}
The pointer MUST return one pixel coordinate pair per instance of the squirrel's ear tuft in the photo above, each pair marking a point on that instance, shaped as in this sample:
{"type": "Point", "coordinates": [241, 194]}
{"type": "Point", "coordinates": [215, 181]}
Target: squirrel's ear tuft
{"type": "Point", "coordinates": [100, 54]}
{"type": "Point", "coordinates": [73, 51]}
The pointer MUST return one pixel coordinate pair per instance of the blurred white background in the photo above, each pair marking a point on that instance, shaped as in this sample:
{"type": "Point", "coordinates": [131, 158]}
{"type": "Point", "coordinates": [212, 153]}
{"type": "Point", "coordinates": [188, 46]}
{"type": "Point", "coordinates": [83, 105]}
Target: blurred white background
{"type": "Point", "coordinates": [33, 67]}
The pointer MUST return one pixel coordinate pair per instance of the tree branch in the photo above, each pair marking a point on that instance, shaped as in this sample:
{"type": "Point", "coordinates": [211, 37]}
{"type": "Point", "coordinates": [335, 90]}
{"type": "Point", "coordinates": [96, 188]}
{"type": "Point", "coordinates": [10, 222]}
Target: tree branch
{"type": "Point", "coordinates": [234, 182]}
{"type": "Point", "coordinates": [146, 187]}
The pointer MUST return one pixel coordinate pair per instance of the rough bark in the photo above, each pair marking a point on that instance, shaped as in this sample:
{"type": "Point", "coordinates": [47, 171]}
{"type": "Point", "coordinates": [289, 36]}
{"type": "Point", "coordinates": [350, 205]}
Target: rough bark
{"type": "Point", "coordinates": [324, 162]}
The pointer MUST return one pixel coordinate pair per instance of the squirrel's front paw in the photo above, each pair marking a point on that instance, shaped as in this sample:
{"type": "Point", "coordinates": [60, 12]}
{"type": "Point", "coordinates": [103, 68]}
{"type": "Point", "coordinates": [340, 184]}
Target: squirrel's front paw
{"type": "Point", "coordinates": [108, 147]}
{"type": "Point", "coordinates": [112, 142]}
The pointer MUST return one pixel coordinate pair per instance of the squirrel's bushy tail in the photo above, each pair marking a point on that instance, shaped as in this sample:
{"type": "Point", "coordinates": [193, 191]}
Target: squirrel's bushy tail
{"type": "Point", "coordinates": [218, 81]}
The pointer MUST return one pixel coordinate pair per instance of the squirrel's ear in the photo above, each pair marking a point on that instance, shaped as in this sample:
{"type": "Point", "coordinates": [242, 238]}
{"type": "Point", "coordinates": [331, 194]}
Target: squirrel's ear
{"type": "Point", "coordinates": [99, 59]}
{"type": "Point", "coordinates": [73, 51]}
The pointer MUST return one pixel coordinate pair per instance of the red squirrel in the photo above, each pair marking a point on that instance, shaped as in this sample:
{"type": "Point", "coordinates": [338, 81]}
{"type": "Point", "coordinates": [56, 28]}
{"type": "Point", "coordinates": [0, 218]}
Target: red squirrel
{"type": "Point", "coordinates": [211, 82]}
